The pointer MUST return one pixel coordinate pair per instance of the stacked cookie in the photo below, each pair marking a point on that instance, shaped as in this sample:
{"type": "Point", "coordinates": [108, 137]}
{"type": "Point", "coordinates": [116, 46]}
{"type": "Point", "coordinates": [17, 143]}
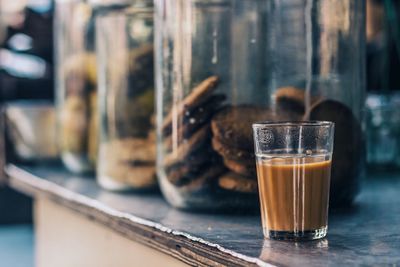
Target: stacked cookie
{"type": "Point", "coordinates": [208, 143]}
{"type": "Point", "coordinates": [233, 140]}
{"type": "Point", "coordinates": [189, 161]}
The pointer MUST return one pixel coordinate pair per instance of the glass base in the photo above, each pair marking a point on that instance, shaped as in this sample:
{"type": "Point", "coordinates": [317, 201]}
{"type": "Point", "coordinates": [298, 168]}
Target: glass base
{"type": "Point", "coordinates": [297, 235]}
{"type": "Point", "coordinates": [207, 200]}
{"type": "Point", "coordinates": [109, 184]}
{"type": "Point", "coordinates": [76, 163]}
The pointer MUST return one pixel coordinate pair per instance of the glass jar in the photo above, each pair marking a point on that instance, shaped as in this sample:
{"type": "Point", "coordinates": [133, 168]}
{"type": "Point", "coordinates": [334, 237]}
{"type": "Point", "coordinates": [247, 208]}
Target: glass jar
{"type": "Point", "coordinates": [208, 93]}
{"type": "Point", "coordinates": [127, 149]}
{"type": "Point", "coordinates": [76, 79]}
{"type": "Point", "coordinates": [383, 131]}
{"type": "Point", "coordinates": [316, 57]}
{"type": "Point", "coordinates": [223, 64]}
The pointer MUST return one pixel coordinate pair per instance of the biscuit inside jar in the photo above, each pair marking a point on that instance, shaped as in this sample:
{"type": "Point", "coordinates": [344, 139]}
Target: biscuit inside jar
{"type": "Point", "coordinates": [189, 160]}
{"type": "Point", "coordinates": [129, 161]}
{"type": "Point", "coordinates": [202, 122]}
{"type": "Point", "coordinates": [232, 139]}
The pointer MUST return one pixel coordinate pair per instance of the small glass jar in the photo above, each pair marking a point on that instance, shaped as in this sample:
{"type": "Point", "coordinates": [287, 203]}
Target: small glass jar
{"type": "Point", "coordinates": [383, 130]}
{"type": "Point", "coordinates": [225, 64]}
{"type": "Point", "coordinates": [76, 79]}
{"type": "Point", "coordinates": [127, 149]}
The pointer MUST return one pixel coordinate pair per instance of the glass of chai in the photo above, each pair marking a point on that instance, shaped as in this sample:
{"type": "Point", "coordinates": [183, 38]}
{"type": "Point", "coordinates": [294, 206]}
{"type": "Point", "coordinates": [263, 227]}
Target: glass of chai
{"type": "Point", "coordinates": [293, 171]}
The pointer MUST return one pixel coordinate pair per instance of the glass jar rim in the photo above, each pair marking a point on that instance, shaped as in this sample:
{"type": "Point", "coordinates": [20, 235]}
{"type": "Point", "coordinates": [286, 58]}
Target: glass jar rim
{"type": "Point", "coordinates": [293, 124]}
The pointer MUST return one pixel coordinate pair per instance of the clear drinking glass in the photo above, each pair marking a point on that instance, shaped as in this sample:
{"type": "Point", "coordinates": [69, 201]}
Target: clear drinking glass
{"type": "Point", "coordinates": [294, 170]}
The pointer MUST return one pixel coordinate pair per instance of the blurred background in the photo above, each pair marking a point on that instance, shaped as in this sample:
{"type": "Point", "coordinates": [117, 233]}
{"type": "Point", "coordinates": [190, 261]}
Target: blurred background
{"type": "Point", "coordinates": [26, 72]}
{"type": "Point", "coordinates": [383, 47]}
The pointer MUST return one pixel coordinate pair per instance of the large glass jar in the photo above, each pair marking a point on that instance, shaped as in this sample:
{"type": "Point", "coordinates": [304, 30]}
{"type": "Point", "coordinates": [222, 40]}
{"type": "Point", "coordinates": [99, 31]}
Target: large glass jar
{"type": "Point", "coordinates": [76, 79]}
{"type": "Point", "coordinates": [127, 148]}
{"type": "Point", "coordinates": [225, 64]}
{"type": "Point", "coordinates": [316, 59]}
{"type": "Point", "coordinates": [208, 77]}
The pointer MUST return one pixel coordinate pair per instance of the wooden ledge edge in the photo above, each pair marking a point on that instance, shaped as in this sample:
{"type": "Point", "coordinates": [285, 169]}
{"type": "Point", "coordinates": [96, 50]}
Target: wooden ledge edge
{"type": "Point", "coordinates": [183, 246]}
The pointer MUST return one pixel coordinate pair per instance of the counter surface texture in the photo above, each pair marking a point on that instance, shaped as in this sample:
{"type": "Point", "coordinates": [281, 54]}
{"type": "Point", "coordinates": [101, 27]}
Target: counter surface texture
{"type": "Point", "coordinates": [368, 233]}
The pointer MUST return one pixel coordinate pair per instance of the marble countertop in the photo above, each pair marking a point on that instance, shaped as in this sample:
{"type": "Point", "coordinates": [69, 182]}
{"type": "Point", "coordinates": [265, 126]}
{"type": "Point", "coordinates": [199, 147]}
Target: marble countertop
{"type": "Point", "coordinates": [365, 234]}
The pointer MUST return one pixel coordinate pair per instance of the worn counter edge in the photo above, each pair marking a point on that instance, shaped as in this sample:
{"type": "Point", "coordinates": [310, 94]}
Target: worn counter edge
{"type": "Point", "coordinates": [183, 246]}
